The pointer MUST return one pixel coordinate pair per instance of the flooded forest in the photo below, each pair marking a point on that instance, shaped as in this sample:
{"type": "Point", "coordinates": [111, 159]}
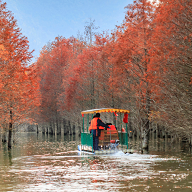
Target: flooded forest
{"type": "Point", "coordinates": [143, 65]}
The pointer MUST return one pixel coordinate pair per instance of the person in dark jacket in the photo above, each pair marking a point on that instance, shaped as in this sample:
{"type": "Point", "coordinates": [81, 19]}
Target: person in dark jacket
{"type": "Point", "coordinates": [95, 128]}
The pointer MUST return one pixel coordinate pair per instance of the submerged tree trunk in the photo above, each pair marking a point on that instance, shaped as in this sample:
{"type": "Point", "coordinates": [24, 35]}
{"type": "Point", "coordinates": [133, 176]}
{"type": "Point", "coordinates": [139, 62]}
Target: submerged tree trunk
{"type": "Point", "coordinates": [50, 128]}
{"type": "Point", "coordinates": [4, 138]}
{"type": "Point", "coordinates": [145, 143]}
{"type": "Point", "coordinates": [10, 136]}
{"type": "Point", "coordinates": [145, 139]}
{"type": "Point", "coordinates": [58, 126]}
{"type": "Point", "coordinates": [10, 131]}
{"type": "Point", "coordinates": [37, 129]}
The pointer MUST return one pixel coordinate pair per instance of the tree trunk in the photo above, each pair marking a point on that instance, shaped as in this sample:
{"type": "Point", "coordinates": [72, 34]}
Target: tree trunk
{"type": "Point", "coordinates": [50, 128]}
{"type": "Point", "coordinates": [145, 136]}
{"type": "Point", "coordinates": [43, 130]}
{"type": "Point", "coordinates": [145, 141]}
{"type": "Point", "coordinates": [74, 130]}
{"type": "Point", "coordinates": [10, 130]}
{"type": "Point", "coordinates": [10, 136]}
{"type": "Point", "coordinates": [58, 127]}
{"type": "Point", "coordinates": [70, 128]}
{"type": "Point", "coordinates": [37, 129]}
{"type": "Point", "coordinates": [4, 139]}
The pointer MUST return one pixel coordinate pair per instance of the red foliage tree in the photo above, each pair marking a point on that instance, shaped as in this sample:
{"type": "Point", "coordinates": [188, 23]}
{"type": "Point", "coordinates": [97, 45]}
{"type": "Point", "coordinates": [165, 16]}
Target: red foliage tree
{"type": "Point", "coordinates": [132, 59]}
{"type": "Point", "coordinates": [172, 51]}
{"type": "Point", "coordinates": [18, 89]}
{"type": "Point", "coordinates": [57, 62]}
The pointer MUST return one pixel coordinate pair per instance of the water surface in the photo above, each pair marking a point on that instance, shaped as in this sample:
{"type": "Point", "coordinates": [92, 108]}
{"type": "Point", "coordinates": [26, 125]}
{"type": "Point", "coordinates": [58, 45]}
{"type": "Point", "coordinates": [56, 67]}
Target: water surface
{"type": "Point", "coordinates": [46, 163]}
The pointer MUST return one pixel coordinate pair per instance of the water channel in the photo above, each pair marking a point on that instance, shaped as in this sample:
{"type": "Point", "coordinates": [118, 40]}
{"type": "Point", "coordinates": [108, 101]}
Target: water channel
{"type": "Point", "coordinates": [45, 163]}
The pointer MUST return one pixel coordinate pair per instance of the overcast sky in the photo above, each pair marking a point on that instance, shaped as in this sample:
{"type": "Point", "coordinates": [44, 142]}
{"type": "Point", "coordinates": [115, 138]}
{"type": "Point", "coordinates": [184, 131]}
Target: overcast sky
{"type": "Point", "coordinates": [43, 20]}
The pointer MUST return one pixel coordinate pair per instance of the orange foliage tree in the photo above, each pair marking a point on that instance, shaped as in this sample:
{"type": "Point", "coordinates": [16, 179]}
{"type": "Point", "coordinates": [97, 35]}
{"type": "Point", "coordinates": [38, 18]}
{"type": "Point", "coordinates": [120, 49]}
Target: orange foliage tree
{"type": "Point", "coordinates": [56, 63]}
{"type": "Point", "coordinates": [91, 82]}
{"type": "Point", "coordinates": [18, 85]}
{"type": "Point", "coordinates": [132, 62]}
{"type": "Point", "coordinates": [172, 51]}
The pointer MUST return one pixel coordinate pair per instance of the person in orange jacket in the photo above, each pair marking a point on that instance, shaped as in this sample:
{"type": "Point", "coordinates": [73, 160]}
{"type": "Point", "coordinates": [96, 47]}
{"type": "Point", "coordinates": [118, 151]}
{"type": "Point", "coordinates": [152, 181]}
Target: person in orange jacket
{"type": "Point", "coordinates": [95, 129]}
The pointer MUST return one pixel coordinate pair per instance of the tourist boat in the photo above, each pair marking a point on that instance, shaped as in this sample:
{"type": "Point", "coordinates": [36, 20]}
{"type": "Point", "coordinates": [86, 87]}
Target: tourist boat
{"type": "Point", "coordinates": [110, 141]}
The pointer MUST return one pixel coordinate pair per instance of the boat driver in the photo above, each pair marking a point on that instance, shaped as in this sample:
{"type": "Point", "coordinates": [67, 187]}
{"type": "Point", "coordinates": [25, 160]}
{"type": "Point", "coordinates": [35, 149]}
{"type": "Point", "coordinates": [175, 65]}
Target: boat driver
{"type": "Point", "coordinates": [95, 128]}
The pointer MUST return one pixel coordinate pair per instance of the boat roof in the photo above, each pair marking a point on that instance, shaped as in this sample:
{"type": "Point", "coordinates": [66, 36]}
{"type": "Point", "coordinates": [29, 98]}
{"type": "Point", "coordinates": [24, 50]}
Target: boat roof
{"type": "Point", "coordinates": [105, 110]}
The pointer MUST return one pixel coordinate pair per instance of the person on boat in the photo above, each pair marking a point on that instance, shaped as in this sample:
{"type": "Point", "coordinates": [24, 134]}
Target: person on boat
{"type": "Point", "coordinates": [95, 128]}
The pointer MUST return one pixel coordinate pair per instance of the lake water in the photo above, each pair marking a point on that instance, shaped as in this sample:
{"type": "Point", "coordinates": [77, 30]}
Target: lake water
{"type": "Point", "coordinates": [46, 163]}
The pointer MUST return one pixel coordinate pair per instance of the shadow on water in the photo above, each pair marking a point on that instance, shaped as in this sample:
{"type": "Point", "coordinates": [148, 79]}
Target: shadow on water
{"type": "Point", "coordinates": [52, 163]}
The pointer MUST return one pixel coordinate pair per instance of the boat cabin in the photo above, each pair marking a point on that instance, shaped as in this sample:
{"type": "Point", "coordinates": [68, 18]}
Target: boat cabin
{"type": "Point", "coordinates": [110, 140]}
